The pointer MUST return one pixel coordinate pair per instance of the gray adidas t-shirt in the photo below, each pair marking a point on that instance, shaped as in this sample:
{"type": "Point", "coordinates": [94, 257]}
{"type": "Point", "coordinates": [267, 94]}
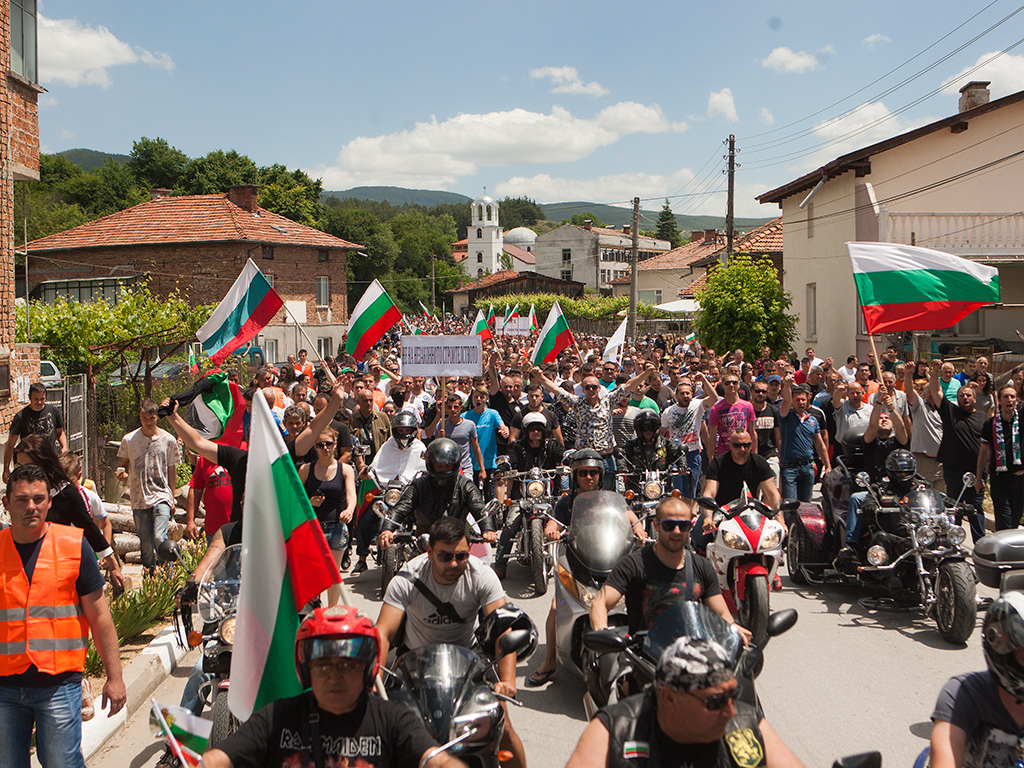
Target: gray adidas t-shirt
{"type": "Point", "coordinates": [424, 625]}
{"type": "Point", "coordinates": [971, 702]}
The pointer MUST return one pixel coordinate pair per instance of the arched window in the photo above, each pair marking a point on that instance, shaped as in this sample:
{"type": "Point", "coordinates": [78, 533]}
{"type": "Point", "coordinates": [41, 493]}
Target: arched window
{"type": "Point", "coordinates": [480, 273]}
{"type": "Point", "coordinates": [488, 213]}
{"type": "Point", "coordinates": [479, 211]}
{"type": "Point", "coordinates": [479, 258]}
{"type": "Point", "coordinates": [479, 234]}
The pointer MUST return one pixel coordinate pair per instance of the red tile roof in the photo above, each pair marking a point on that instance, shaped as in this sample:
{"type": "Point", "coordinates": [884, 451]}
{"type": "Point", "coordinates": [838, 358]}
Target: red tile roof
{"type": "Point", "coordinates": [487, 280]}
{"type": "Point", "coordinates": [519, 254]}
{"type": "Point", "coordinates": [188, 219]}
{"type": "Point", "coordinates": [683, 257]}
{"type": "Point", "coordinates": [691, 290]}
{"type": "Point", "coordinates": [766, 239]}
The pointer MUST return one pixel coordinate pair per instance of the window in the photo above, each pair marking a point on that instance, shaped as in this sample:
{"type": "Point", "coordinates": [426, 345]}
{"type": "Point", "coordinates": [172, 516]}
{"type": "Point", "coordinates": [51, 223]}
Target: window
{"type": "Point", "coordinates": [323, 256]}
{"type": "Point", "coordinates": [567, 274]}
{"type": "Point", "coordinates": [811, 311]}
{"type": "Point", "coordinates": [106, 288]}
{"type": "Point", "coordinates": [810, 220]}
{"type": "Point", "coordinates": [479, 211]}
{"type": "Point", "coordinates": [480, 272]}
{"type": "Point", "coordinates": [23, 39]}
{"type": "Point", "coordinates": [479, 258]}
{"type": "Point", "coordinates": [323, 295]}
{"type": "Point", "coordinates": [324, 346]}
{"type": "Point", "coordinates": [604, 275]}
{"type": "Point", "coordinates": [567, 254]}
{"type": "Point", "coordinates": [649, 297]}
{"type": "Point", "coordinates": [270, 278]}
{"type": "Point", "coordinates": [488, 213]}
{"type": "Point", "coordinates": [479, 234]}
{"type": "Point", "coordinates": [270, 349]}
{"type": "Point", "coordinates": [267, 252]}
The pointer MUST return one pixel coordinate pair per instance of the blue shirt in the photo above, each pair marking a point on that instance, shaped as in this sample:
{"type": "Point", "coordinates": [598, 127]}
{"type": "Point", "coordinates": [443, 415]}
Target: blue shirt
{"type": "Point", "coordinates": [487, 424]}
{"type": "Point", "coordinates": [797, 437]}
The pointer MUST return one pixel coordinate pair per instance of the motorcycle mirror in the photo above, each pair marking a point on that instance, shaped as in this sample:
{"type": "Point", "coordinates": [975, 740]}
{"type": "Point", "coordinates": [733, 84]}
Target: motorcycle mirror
{"type": "Point", "coordinates": [168, 551]}
{"type": "Point", "coordinates": [781, 621]}
{"type": "Point", "coordinates": [567, 458]}
{"type": "Point", "coordinates": [361, 450]}
{"type": "Point", "coordinates": [604, 641]}
{"type": "Point", "coordinates": [863, 760]}
{"type": "Point", "coordinates": [707, 502]}
{"type": "Point", "coordinates": [789, 506]}
{"type": "Point", "coordinates": [969, 478]}
{"type": "Point", "coordinates": [863, 479]}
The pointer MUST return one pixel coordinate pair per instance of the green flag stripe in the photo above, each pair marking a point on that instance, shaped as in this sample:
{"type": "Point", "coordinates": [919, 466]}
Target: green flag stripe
{"type": "Point", "coordinates": [279, 680]}
{"type": "Point", "coordinates": [559, 327]}
{"type": "Point", "coordinates": [920, 285]}
{"type": "Point", "coordinates": [292, 500]}
{"type": "Point", "coordinates": [360, 325]}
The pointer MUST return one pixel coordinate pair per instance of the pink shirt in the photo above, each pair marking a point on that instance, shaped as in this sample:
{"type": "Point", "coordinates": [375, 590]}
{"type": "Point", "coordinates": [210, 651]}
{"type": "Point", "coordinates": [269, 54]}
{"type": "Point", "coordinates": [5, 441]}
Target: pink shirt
{"type": "Point", "coordinates": [728, 418]}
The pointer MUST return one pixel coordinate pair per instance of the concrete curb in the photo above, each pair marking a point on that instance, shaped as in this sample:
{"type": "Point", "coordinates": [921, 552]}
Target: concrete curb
{"type": "Point", "coordinates": [141, 677]}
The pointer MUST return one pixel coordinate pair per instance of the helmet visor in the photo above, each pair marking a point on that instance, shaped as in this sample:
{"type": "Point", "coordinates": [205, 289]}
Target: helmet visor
{"type": "Point", "coordinates": [362, 648]}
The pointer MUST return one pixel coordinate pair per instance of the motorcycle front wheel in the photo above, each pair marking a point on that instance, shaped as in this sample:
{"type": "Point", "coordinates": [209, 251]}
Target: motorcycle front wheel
{"type": "Point", "coordinates": [389, 568]}
{"type": "Point", "coordinates": [754, 610]}
{"type": "Point", "coordinates": [224, 723]}
{"type": "Point", "coordinates": [956, 602]}
{"type": "Point", "coordinates": [538, 559]}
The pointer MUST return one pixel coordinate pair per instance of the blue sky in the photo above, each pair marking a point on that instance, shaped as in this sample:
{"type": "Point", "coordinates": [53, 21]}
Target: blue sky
{"type": "Point", "coordinates": [555, 101]}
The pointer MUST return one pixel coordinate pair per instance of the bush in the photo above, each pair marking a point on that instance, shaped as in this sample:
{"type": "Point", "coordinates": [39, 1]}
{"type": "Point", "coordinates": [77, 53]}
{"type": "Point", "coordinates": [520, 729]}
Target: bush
{"type": "Point", "coordinates": [587, 308]}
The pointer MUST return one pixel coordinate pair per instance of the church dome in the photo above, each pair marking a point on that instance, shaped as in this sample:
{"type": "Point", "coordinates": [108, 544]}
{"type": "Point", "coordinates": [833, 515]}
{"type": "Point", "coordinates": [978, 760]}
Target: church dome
{"type": "Point", "coordinates": [484, 200]}
{"type": "Point", "coordinates": [521, 236]}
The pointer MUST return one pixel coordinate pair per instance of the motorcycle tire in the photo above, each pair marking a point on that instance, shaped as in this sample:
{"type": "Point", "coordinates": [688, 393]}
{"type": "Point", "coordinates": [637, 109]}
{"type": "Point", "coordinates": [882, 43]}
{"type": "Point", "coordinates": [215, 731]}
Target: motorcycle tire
{"type": "Point", "coordinates": [800, 551]}
{"type": "Point", "coordinates": [538, 556]}
{"type": "Point", "coordinates": [388, 569]}
{"type": "Point", "coordinates": [224, 723]}
{"type": "Point", "coordinates": [956, 602]}
{"type": "Point", "coordinates": [754, 611]}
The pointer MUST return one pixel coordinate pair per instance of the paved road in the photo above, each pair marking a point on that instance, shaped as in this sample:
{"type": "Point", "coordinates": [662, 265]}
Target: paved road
{"type": "Point", "coordinates": [845, 679]}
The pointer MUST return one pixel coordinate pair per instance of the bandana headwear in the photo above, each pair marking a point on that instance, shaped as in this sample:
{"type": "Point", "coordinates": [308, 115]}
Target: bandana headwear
{"type": "Point", "coordinates": [997, 427]}
{"type": "Point", "coordinates": [692, 665]}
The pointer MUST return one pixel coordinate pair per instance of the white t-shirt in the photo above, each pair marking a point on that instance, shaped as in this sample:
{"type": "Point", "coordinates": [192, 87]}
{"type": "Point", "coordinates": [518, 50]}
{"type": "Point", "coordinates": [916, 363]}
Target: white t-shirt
{"type": "Point", "coordinates": [95, 503]}
{"type": "Point", "coordinates": [849, 374]}
{"type": "Point", "coordinates": [683, 424]}
{"type": "Point", "coordinates": [479, 586]}
{"type": "Point", "coordinates": [392, 461]}
{"type": "Point", "coordinates": [151, 459]}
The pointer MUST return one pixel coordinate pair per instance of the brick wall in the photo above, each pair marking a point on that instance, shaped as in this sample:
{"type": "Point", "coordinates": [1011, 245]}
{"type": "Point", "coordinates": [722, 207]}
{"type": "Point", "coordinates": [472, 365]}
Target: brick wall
{"type": "Point", "coordinates": [203, 272]}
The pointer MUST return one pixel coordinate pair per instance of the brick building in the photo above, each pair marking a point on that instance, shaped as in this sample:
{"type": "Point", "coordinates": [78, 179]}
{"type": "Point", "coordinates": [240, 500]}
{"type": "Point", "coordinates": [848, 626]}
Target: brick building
{"type": "Point", "coordinates": [197, 245]}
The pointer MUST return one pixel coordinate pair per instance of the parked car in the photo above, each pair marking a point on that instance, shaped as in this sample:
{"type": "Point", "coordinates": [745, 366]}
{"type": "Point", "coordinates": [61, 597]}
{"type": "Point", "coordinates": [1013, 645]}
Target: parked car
{"type": "Point", "coordinates": [49, 375]}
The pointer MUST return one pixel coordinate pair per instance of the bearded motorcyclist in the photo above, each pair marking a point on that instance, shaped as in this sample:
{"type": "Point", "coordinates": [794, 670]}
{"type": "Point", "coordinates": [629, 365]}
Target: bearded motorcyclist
{"type": "Point", "coordinates": [441, 492]}
{"type": "Point", "coordinates": [648, 450]}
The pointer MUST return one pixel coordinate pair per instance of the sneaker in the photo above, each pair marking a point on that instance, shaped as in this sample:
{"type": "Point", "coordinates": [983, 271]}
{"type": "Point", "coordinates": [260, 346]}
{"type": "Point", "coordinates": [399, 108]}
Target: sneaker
{"type": "Point", "coordinates": [777, 584]}
{"type": "Point", "coordinates": [360, 567]}
{"type": "Point", "coordinates": [168, 760]}
{"type": "Point", "coordinates": [346, 560]}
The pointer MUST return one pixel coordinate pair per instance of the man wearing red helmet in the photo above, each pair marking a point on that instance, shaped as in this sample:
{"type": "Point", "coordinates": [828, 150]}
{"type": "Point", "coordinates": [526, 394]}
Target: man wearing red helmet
{"type": "Point", "coordinates": [337, 654]}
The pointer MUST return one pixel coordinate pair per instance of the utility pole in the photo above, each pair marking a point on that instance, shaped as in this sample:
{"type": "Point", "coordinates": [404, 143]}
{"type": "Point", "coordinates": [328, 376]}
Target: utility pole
{"type": "Point", "coordinates": [433, 304]}
{"type": "Point", "coordinates": [634, 258]}
{"type": "Point", "coordinates": [729, 224]}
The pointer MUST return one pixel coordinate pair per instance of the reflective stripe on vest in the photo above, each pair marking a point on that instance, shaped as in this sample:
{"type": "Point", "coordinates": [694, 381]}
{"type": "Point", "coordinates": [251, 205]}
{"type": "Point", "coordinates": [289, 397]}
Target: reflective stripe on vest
{"type": "Point", "coordinates": [42, 623]}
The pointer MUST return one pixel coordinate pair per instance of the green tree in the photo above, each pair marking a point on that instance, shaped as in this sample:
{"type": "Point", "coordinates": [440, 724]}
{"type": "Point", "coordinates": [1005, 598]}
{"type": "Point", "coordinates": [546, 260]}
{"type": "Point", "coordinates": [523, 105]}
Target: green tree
{"type": "Point", "coordinates": [580, 218]}
{"type": "Point", "coordinates": [668, 227]}
{"type": "Point", "coordinates": [743, 306]}
{"type": "Point", "coordinates": [292, 194]}
{"type": "Point", "coordinates": [156, 164]}
{"type": "Point", "coordinates": [519, 212]}
{"type": "Point", "coordinates": [218, 170]}
{"type": "Point", "coordinates": [379, 246]}
{"type": "Point", "coordinates": [458, 211]}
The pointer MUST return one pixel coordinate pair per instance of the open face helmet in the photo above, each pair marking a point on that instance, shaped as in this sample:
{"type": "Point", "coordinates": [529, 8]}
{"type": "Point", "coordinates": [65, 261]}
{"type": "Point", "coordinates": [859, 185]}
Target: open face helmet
{"type": "Point", "coordinates": [337, 632]}
{"type": "Point", "coordinates": [403, 428]}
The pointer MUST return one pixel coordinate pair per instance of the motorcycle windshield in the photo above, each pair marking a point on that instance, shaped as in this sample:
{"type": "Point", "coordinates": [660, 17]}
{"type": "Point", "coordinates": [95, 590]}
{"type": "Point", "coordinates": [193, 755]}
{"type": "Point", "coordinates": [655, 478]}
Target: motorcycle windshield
{"type": "Point", "coordinates": [926, 501]}
{"type": "Point", "coordinates": [438, 677]}
{"type": "Point", "coordinates": [691, 619]}
{"type": "Point", "coordinates": [218, 591]}
{"type": "Point", "coordinates": [600, 532]}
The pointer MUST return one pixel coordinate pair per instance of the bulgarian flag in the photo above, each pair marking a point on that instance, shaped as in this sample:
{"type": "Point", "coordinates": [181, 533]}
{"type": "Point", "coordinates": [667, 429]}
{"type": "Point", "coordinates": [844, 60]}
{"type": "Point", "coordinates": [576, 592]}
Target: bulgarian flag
{"type": "Point", "coordinates": [426, 312]}
{"type": "Point", "coordinates": [285, 563]}
{"type": "Point", "coordinates": [690, 338]}
{"type": "Point", "coordinates": [480, 327]}
{"type": "Point", "coordinates": [534, 326]}
{"type": "Point", "coordinates": [906, 288]}
{"type": "Point", "coordinates": [554, 337]}
{"type": "Point", "coordinates": [490, 316]}
{"type": "Point", "coordinates": [250, 304]}
{"type": "Point", "coordinates": [370, 320]}
{"type": "Point", "coordinates": [368, 491]}
{"type": "Point", "coordinates": [187, 735]}
{"type": "Point", "coordinates": [193, 364]}
{"type": "Point", "coordinates": [510, 316]}
{"type": "Point", "coordinates": [215, 408]}
{"type": "Point", "coordinates": [413, 330]}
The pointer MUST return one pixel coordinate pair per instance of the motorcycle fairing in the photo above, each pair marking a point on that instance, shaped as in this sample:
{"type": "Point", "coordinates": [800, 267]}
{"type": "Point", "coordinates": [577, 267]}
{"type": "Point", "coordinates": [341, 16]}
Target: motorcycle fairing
{"type": "Point", "coordinates": [812, 518]}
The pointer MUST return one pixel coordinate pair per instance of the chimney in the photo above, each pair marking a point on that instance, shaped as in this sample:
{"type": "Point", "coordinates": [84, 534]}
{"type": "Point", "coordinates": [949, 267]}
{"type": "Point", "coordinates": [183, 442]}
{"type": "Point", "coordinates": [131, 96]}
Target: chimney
{"type": "Point", "coordinates": [974, 94]}
{"type": "Point", "coordinates": [588, 224]}
{"type": "Point", "coordinates": [627, 229]}
{"type": "Point", "coordinates": [244, 196]}
{"type": "Point", "coordinates": [710, 235]}
{"type": "Point", "coordinates": [157, 193]}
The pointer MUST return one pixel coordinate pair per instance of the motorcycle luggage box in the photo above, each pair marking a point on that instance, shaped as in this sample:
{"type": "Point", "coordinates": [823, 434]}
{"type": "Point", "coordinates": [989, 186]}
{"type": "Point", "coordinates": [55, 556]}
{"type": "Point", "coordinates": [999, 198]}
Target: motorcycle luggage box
{"type": "Point", "coordinates": [998, 554]}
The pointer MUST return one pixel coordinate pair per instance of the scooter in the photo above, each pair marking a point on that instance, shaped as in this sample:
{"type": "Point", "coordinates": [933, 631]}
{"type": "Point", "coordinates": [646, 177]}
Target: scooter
{"type": "Point", "coordinates": [746, 553]}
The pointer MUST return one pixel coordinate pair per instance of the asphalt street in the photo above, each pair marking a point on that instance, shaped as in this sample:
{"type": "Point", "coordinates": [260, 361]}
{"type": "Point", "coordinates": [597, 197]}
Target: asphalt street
{"type": "Point", "coordinates": [845, 679]}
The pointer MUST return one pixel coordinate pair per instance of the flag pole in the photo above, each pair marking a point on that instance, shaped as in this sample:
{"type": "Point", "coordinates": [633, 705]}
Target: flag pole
{"type": "Point", "coordinates": [323, 364]}
{"type": "Point", "coordinates": [878, 363]}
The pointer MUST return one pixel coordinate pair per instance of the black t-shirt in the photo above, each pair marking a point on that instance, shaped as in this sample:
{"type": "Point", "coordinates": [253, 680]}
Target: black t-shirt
{"type": "Point", "coordinates": [45, 423]}
{"type": "Point", "coordinates": [733, 479]}
{"type": "Point", "coordinates": [765, 424]}
{"type": "Point", "coordinates": [961, 437]}
{"type": "Point", "coordinates": [508, 412]}
{"type": "Point", "coordinates": [650, 586]}
{"type": "Point", "coordinates": [236, 462]}
{"type": "Point", "coordinates": [988, 436]}
{"type": "Point", "coordinates": [517, 422]}
{"type": "Point", "coordinates": [672, 754]}
{"type": "Point", "coordinates": [376, 734]}
{"type": "Point", "coordinates": [876, 452]}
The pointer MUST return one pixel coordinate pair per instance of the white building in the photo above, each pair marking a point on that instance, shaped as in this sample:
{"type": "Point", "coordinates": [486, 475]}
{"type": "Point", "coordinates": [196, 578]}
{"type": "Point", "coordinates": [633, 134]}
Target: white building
{"type": "Point", "coordinates": [484, 239]}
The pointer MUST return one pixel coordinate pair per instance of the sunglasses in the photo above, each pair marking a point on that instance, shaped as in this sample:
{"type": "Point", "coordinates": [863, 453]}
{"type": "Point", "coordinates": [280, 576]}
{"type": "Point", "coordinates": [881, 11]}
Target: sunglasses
{"type": "Point", "coordinates": [741, 445]}
{"type": "Point", "coordinates": [447, 557]}
{"type": "Point", "coordinates": [325, 667]}
{"type": "Point", "coordinates": [731, 383]}
{"type": "Point", "coordinates": [324, 445]}
{"type": "Point", "coordinates": [670, 525]}
{"type": "Point", "coordinates": [587, 472]}
{"type": "Point", "coordinates": [717, 701]}
{"type": "Point", "coordinates": [760, 391]}
{"type": "Point", "coordinates": [590, 387]}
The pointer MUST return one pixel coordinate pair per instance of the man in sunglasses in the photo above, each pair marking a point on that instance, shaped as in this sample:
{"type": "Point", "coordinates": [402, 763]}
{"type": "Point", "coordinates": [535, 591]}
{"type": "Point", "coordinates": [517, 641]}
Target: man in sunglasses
{"type": "Point", "coordinates": [730, 414]}
{"type": "Point", "coordinates": [690, 716]}
{"type": "Point", "coordinates": [439, 594]}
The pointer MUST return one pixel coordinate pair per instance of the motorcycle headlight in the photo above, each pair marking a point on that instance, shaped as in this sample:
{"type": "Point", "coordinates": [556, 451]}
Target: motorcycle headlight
{"type": "Point", "coordinates": [771, 540]}
{"type": "Point", "coordinates": [391, 496]}
{"type": "Point", "coordinates": [227, 630]}
{"type": "Point", "coordinates": [478, 723]}
{"type": "Point", "coordinates": [653, 490]}
{"type": "Point", "coordinates": [735, 541]}
{"type": "Point", "coordinates": [587, 595]}
{"type": "Point", "coordinates": [956, 535]}
{"type": "Point", "coordinates": [877, 555]}
{"type": "Point", "coordinates": [535, 489]}
{"type": "Point", "coordinates": [926, 536]}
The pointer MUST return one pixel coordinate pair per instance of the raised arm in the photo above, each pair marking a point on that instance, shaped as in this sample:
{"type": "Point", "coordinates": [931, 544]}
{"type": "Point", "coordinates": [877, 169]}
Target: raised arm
{"type": "Point", "coordinates": [931, 392]}
{"type": "Point", "coordinates": [787, 395]}
{"type": "Point", "coordinates": [908, 385]}
{"type": "Point", "coordinates": [493, 382]}
{"type": "Point", "coordinates": [192, 439]}
{"type": "Point", "coordinates": [710, 393]}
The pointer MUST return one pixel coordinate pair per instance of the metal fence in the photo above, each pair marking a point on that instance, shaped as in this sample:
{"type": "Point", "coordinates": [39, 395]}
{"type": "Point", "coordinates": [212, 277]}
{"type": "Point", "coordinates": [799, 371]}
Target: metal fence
{"type": "Point", "coordinates": [70, 399]}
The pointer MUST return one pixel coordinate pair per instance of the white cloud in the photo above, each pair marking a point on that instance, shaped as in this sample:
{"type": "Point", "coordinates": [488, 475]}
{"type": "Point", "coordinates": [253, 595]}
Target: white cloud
{"type": "Point", "coordinates": [47, 100]}
{"type": "Point", "coordinates": [623, 186]}
{"type": "Point", "coordinates": [1006, 73]}
{"type": "Point", "coordinates": [75, 55]}
{"type": "Point", "coordinates": [784, 59]}
{"type": "Point", "coordinates": [436, 154]}
{"type": "Point", "coordinates": [66, 134]}
{"type": "Point", "coordinates": [721, 104]}
{"type": "Point", "coordinates": [876, 39]}
{"type": "Point", "coordinates": [766, 116]}
{"type": "Point", "coordinates": [567, 80]}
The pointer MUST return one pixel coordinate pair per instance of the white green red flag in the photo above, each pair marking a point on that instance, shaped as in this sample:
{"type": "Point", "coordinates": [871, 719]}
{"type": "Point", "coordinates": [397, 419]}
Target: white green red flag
{"type": "Point", "coordinates": [214, 407]}
{"type": "Point", "coordinates": [285, 563]}
{"type": "Point", "coordinates": [534, 325]}
{"type": "Point", "coordinates": [250, 304]}
{"type": "Point", "coordinates": [185, 733]}
{"type": "Point", "coordinates": [554, 337]}
{"type": "Point", "coordinates": [906, 288]}
{"type": "Point", "coordinates": [193, 363]}
{"type": "Point", "coordinates": [426, 312]}
{"type": "Point", "coordinates": [690, 338]}
{"type": "Point", "coordinates": [412, 329]}
{"type": "Point", "coordinates": [480, 327]}
{"type": "Point", "coordinates": [490, 316]}
{"type": "Point", "coordinates": [509, 316]}
{"type": "Point", "coordinates": [370, 320]}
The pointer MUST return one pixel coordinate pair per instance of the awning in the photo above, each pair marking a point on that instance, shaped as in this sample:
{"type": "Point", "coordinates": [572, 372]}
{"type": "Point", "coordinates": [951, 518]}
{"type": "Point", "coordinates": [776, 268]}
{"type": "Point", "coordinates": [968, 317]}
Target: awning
{"type": "Point", "coordinates": [680, 306]}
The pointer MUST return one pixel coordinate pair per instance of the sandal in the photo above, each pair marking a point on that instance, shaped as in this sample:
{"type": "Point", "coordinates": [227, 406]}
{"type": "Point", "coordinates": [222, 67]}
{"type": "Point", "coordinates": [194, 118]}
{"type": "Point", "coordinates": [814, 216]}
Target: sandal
{"type": "Point", "coordinates": [538, 678]}
{"type": "Point", "coordinates": [88, 706]}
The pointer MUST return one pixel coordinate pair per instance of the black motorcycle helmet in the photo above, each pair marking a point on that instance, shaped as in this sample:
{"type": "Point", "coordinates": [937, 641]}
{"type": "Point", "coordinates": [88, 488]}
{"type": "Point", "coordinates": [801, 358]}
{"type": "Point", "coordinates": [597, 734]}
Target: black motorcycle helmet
{"type": "Point", "coordinates": [901, 466]}
{"type": "Point", "coordinates": [586, 457]}
{"type": "Point", "coordinates": [499, 621]}
{"type": "Point", "coordinates": [403, 428]}
{"type": "Point", "coordinates": [443, 459]}
{"type": "Point", "coordinates": [1001, 636]}
{"type": "Point", "coordinates": [646, 421]}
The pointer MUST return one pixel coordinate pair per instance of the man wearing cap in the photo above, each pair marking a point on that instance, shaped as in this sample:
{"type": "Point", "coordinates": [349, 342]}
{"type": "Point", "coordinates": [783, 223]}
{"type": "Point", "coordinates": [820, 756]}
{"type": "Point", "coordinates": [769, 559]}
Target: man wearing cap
{"type": "Point", "coordinates": [690, 716]}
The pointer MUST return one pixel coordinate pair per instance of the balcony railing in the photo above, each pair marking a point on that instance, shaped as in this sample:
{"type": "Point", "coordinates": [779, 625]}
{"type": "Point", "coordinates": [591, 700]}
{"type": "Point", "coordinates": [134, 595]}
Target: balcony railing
{"type": "Point", "coordinates": [988, 236]}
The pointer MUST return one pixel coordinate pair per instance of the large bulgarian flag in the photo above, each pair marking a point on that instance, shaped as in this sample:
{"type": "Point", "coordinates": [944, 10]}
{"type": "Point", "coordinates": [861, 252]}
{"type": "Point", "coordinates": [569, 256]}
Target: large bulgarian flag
{"type": "Point", "coordinates": [480, 327]}
{"type": "Point", "coordinates": [251, 303]}
{"type": "Point", "coordinates": [554, 337]}
{"type": "Point", "coordinates": [370, 320]}
{"type": "Point", "coordinates": [906, 288]}
{"type": "Point", "coordinates": [215, 408]}
{"type": "Point", "coordinates": [285, 563]}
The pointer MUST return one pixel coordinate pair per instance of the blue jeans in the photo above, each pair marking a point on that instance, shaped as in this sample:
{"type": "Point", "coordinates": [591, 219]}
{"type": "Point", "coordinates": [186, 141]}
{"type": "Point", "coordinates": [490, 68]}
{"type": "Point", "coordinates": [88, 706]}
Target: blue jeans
{"type": "Point", "coordinates": [609, 472]}
{"type": "Point", "coordinates": [954, 484]}
{"type": "Point", "coordinates": [688, 485]}
{"type": "Point", "coordinates": [797, 480]}
{"type": "Point", "coordinates": [190, 698]}
{"type": "Point", "coordinates": [57, 713]}
{"type": "Point", "coordinates": [151, 525]}
{"type": "Point", "coordinates": [853, 531]}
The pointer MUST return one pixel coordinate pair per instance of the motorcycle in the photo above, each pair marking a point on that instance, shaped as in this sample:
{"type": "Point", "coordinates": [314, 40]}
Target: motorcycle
{"type": "Point", "coordinates": [536, 500]}
{"type": "Point", "coordinates": [451, 689]}
{"type": "Point", "coordinates": [405, 546]}
{"type": "Point", "coordinates": [746, 553]}
{"type": "Point", "coordinates": [598, 536]}
{"type": "Point", "coordinates": [649, 487]}
{"type": "Point", "coordinates": [911, 548]}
